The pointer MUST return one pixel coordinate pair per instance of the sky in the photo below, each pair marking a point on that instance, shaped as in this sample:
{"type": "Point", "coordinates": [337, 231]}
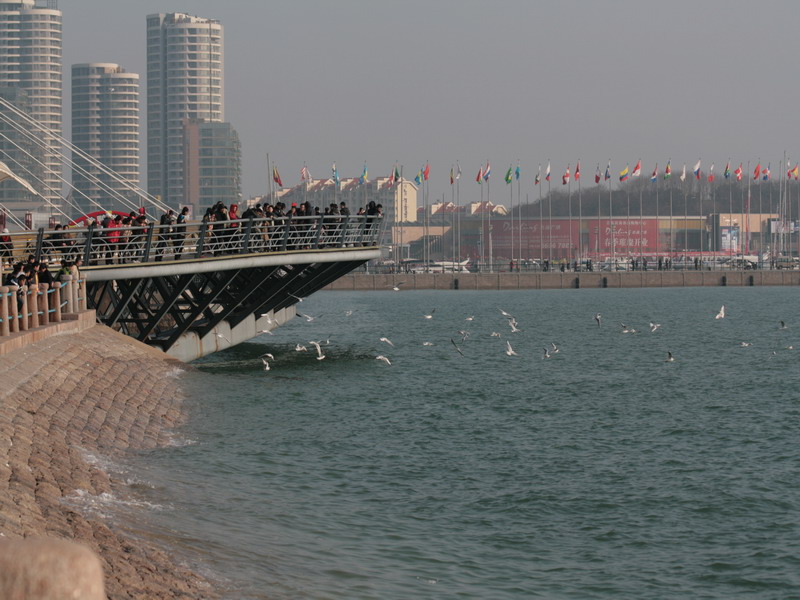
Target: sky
{"type": "Point", "coordinates": [408, 82]}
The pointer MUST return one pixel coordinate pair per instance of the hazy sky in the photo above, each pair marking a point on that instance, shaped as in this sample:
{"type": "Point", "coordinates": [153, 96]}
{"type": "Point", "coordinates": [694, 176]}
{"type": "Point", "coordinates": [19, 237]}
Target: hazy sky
{"type": "Point", "coordinates": [443, 80]}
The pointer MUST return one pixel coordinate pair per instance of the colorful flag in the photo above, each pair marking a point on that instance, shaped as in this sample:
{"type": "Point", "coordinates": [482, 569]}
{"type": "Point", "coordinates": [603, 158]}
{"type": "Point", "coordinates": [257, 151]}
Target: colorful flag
{"type": "Point", "coordinates": [419, 177]}
{"type": "Point", "coordinates": [363, 179]}
{"type": "Point", "coordinates": [597, 175]}
{"type": "Point", "coordinates": [668, 170]}
{"type": "Point", "coordinates": [565, 177]}
{"type": "Point", "coordinates": [637, 170]}
{"type": "Point", "coordinates": [757, 171]}
{"type": "Point", "coordinates": [517, 172]}
{"type": "Point", "coordinates": [654, 176]}
{"type": "Point", "coordinates": [738, 172]}
{"type": "Point", "coordinates": [479, 178]}
{"type": "Point", "coordinates": [276, 177]}
{"type": "Point", "coordinates": [766, 173]}
{"type": "Point", "coordinates": [623, 175]}
{"type": "Point", "coordinates": [608, 171]}
{"type": "Point", "coordinates": [711, 173]}
{"type": "Point", "coordinates": [697, 170]}
{"type": "Point", "coordinates": [396, 174]}
{"type": "Point", "coordinates": [683, 174]}
{"type": "Point", "coordinates": [578, 171]}
{"type": "Point", "coordinates": [452, 176]}
{"type": "Point", "coordinates": [795, 171]}
{"type": "Point", "coordinates": [487, 171]}
{"type": "Point", "coordinates": [304, 176]}
{"type": "Point", "coordinates": [334, 173]}
{"type": "Point", "coordinates": [392, 178]}
{"type": "Point", "coordinates": [727, 173]}
{"type": "Point", "coordinates": [547, 172]}
{"type": "Point", "coordinates": [538, 177]}
{"type": "Point", "coordinates": [427, 171]}
{"type": "Point", "coordinates": [509, 177]}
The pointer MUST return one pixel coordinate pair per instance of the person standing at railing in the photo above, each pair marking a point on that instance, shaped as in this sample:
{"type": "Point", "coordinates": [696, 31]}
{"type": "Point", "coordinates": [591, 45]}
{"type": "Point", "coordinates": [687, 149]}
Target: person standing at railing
{"type": "Point", "coordinates": [6, 247]}
{"type": "Point", "coordinates": [166, 222]}
{"type": "Point", "coordinates": [112, 237]}
{"type": "Point", "coordinates": [233, 227]}
{"type": "Point", "coordinates": [180, 231]}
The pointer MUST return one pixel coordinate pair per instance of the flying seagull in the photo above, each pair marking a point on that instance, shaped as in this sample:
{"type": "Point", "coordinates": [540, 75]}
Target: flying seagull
{"type": "Point", "coordinates": [383, 358]}
{"type": "Point", "coordinates": [320, 355]}
{"type": "Point", "coordinates": [597, 318]}
{"type": "Point", "coordinates": [300, 348]}
{"type": "Point", "coordinates": [556, 349]}
{"type": "Point", "coordinates": [654, 326]}
{"type": "Point", "coordinates": [308, 318]}
{"type": "Point", "coordinates": [509, 349]}
{"type": "Point", "coordinates": [396, 286]}
{"type": "Point", "coordinates": [266, 364]}
{"type": "Point", "coordinates": [546, 353]}
{"type": "Point", "coordinates": [452, 341]}
{"type": "Point", "coordinates": [721, 313]}
{"type": "Point", "coordinates": [783, 326]}
{"type": "Point", "coordinates": [387, 340]}
{"type": "Point", "coordinates": [430, 316]}
{"type": "Point", "coordinates": [219, 335]}
{"type": "Point", "coordinates": [670, 358]}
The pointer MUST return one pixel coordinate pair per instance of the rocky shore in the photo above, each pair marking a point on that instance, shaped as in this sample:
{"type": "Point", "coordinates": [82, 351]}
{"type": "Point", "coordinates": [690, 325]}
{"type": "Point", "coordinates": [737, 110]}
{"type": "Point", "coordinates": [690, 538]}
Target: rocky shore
{"type": "Point", "coordinates": [96, 392]}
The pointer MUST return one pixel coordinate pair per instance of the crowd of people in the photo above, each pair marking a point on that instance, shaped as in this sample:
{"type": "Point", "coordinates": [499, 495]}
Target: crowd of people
{"type": "Point", "coordinates": [26, 274]}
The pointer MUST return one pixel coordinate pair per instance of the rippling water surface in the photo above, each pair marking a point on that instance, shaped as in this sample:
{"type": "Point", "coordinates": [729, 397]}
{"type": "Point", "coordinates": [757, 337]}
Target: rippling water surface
{"type": "Point", "coordinates": [601, 472]}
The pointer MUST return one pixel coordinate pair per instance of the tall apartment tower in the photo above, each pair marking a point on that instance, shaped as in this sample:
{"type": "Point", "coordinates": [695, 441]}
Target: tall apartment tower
{"type": "Point", "coordinates": [105, 125]}
{"type": "Point", "coordinates": [30, 59]}
{"type": "Point", "coordinates": [184, 81]}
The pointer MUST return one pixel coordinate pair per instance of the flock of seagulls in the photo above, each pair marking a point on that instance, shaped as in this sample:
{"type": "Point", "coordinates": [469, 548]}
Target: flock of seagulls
{"type": "Point", "coordinates": [464, 335]}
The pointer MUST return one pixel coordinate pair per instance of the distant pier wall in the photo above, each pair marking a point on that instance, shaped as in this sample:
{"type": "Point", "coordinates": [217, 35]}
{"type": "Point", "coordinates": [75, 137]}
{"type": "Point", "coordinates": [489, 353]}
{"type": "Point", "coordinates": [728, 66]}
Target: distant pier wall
{"type": "Point", "coordinates": [567, 280]}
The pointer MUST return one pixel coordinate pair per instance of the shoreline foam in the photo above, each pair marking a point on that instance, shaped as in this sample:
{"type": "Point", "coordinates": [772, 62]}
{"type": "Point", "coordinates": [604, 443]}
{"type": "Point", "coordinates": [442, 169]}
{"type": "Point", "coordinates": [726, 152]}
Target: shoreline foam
{"type": "Point", "coordinates": [64, 400]}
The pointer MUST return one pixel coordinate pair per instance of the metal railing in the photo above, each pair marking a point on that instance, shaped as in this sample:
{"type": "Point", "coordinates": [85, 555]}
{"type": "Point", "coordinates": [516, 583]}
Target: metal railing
{"type": "Point", "coordinates": [32, 306]}
{"type": "Point", "coordinates": [137, 244]}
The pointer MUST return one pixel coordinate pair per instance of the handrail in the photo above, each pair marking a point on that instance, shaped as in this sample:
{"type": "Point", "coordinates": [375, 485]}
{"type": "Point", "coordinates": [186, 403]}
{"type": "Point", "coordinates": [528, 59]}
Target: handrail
{"type": "Point", "coordinates": [32, 306]}
{"type": "Point", "coordinates": [156, 243]}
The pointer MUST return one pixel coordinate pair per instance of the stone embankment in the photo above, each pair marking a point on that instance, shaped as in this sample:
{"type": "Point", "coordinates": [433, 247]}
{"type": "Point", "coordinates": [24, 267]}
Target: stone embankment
{"type": "Point", "coordinates": [63, 396]}
{"type": "Point", "coordinates": [559, 280]}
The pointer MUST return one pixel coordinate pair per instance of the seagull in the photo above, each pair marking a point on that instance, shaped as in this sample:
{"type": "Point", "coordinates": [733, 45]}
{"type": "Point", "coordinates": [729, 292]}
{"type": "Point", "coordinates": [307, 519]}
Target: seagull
{"type": "Point", "coordinates": [509, 349]}
{"type": "Point", "coordinates": [654, 326]}
{"type": "Point", "coordinates": [469, 318]}
{"type": "Point", "coordinates": [430, 316]}
{"type": "Point", "coordinates": [597, 318]}
{"type": "Point", "coordinates": [505, 314]}
{"type": "Point", "coordinates": [745, 344]}
{"type": "Point", "coordinates": [721, 313]}
{"type": "Point", "coordinates": [513, 324]}
{"type": "Point", "coordinates": [266, 364]}
{"type": "Point", "coordinates": [790, 347]}
{"type": "Point", "coordinates": [452, 341]}
{"type": "Point", "coordinates": [320, 355]}
{"type": "Point", "coordinates": [300, 348]}
{"type": "Point", "coordinates": [464, 335]}
{"type": "Point", "coordinates": [387, 340]}
{"type": "Point", "coordinates": [556, 349]}
{"type": "Point", "coordinates": [546, 354]}
{"type": "Point", "coordinates": [265, 331]}
{"type": "Point", "coordinates": [396, 286]}
{"type": "Point", "coordinates": [626, 329]}
{"type": "Point", "coordinates": [670, 358]}
{"type": "Point", "coordinates": [348, 313]}
{"type": "Point", "coordinates": [268, 317]}
{"type": "Point", "coordinates": [494, 334]}
{"type": "Point", "coordinates": [783, 326]}
{"type": "Point", "coordinates": [383, 358]}
{"type": "Point", "coordinates": [427, 343]}
{"type": "Point", "coordinates": [268, 355]}
{"type": "Point", "coordinates": [308, 318]}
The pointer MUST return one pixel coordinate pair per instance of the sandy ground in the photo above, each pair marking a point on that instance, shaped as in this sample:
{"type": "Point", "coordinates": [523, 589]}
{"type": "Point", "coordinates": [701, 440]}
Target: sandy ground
{"type": "Point", "coordinates": [98, 392]}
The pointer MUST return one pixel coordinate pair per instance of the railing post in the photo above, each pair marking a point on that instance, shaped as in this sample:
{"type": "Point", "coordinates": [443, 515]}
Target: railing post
{"type": "Point", "coordinates": [33, 304]}
{"type": "Point", "coordinates": [319, 232]}
{"type": "Point", "coordinates": [362, 229]}
{"type": "Point", "coordinates": [286, 223]}
{"type": "Point", "coordinates": [23, 322]}
{"type": "Point", "coordinates": [83, 301]}
{"type": "Point", "coordinates": [44, 304]}
{"type": "Point", "coordinates": [5, 328]}
{"type": "Point", "coordinates": [87, 255]}
{"type": "Point", "coordinates": [13, 309]}
{"type": "Point", "coordinates": [56, 301]}
{"type": "Point", "coordinates": [344, 231]}
{"type": "Point", "coordinates": [148, 244]}
{"type": "Point", "coordinates": [246, 241]}
{"type": "Point", "coordinates": [66, 281]}
{"type": "Point", "coordinates": [39, 242]}
{"type": "Point", "coordinates": [201, 239]}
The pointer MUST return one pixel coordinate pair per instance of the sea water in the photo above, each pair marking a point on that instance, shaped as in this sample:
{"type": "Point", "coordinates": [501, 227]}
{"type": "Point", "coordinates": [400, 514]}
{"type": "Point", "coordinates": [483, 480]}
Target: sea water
{"type": "Point", "coordinates": [459, 471]}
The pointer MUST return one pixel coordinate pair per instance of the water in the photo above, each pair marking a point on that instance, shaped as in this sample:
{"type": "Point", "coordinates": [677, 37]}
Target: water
{"type": "Point", "coordinates": [602, 472]}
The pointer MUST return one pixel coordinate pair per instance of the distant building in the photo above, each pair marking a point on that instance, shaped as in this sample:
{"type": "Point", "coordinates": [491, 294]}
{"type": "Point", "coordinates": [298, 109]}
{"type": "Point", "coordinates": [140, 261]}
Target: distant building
{"type": "Point", "coordinates": [30, 37]}
{"type": "Point", "coordinates": [184, 81]}
{"type": "Point", "coordinates": [105, 125]}
{"type": "Point", "coordinates": [212, 167]}
{"type": "Point", "coordinates": [18, 150]}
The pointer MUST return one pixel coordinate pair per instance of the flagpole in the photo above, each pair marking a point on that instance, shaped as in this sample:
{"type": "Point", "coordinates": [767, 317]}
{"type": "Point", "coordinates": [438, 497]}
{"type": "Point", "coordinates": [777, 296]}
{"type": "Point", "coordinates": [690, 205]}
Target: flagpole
{"type": "Point", "coordinates": [685, 218]}
{"type": "Point", "coordinates": [488, 204]}
{"type": "Point", "coordinates": [702, 228]}
{"type": "Point", "coordinates": [611, 218]}
{"type": "Point", "coordinates": [569, 203]}
{"type": "Point", "coordinates": [550, 217]}
{"type": "Point", "coordinates": [269, 181]}
{"type": "Point", "coordinates": [458, 209]}
{"type": "Point", "coordinates": [747, 211]}
{"type": "Point", "coordinates": [671, 226]}
{"type": "Point", "coordinates": [483, 222]}
{"type": "Point", "coordinates": [599, 202]}
{"type": "Point", "coordinates": [580, 217]}
{"type": "Point", "coordinates": [658, 221]}
{"type": "Point", "coordinates": [403, 210]}
{"type": "Point", "coordinates": [452, 221]}
{"type": "Point", "coordinates": [519, 215]}
{"type": "Point", "coordinates": [641, 225]}
{"type": "Point", "coordinates": [511, 203]}
{"type": "Point", "coordinates": [760, 222]}
{"type": "Point", "coordinates": [541, 219]}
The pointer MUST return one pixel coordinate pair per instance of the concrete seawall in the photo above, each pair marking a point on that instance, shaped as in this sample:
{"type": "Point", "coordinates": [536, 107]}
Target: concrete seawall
{"type": "Point", "coordinates": [568, 280]}
{"type": "Point", "coordinates": [66, 397]}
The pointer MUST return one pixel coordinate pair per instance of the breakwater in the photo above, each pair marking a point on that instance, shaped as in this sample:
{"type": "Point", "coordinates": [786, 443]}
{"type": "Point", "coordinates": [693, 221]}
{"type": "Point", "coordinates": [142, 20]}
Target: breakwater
{"type": "Point", "coordinates": [566, 280]}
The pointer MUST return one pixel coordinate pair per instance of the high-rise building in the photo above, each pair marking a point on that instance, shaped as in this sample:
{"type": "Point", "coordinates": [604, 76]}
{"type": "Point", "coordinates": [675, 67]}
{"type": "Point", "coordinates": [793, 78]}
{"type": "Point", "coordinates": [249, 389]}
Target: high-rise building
{"type": "Point", "coordinates": [105, 125]}
{"type": "Point", "coordinates": [30, 59]}
{"type": "Point", "coordinates": [212, 164]}
{"type": "Point", "coordinates": [184, 81]}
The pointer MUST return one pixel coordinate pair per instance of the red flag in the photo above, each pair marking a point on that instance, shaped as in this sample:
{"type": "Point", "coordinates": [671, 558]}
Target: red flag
{"type": "Point", "coordinates": [578, 171]}
{"type": "Point", "coordinates": [427, 171]}
{"type": "Point", "coordinates": [565, 177]}
{"type": "Point", "coordinates": [597, 175]}
{"type": "Point", "coordinates": [738, 172]}
{"type": "Point", "coordinates": [276, 177]}
{"type": "Point", "coordinates": [757, 172]}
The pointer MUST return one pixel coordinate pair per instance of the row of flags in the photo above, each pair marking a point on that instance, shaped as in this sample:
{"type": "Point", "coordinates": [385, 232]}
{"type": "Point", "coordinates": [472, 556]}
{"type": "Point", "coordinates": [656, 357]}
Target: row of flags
{"type": "Point", "coordinates": [484, 173]}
